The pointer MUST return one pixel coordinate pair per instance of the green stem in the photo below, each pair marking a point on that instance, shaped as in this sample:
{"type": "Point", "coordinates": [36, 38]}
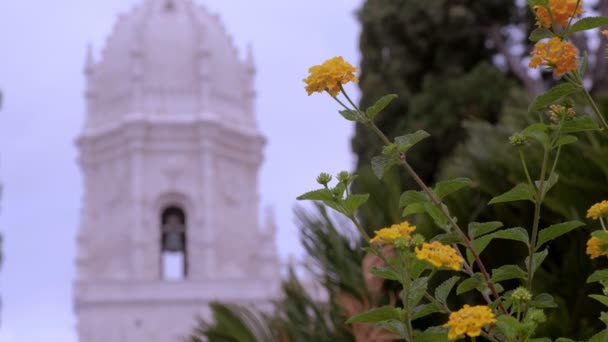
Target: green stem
{"type": "Point", "coordinates": [559, 150]}
{"type": "Point", "coordinates": [437, 203]}
{"type": "Point", "coordinates": [591, 102]}
{"type": "Point", "coordinates": [525, 166]}
{"type": "Point", "coordinates": [360, 228]}
{"type": "Point", "coordinates": [537, 206]}
{"type": "Point", "coordinates": [407, 282]}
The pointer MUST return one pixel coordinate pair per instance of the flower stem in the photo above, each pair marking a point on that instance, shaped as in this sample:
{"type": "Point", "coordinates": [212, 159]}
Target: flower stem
{"type": "Point", "coordinates": [537, 206]}
{"type": "Point", "coordinates": [525, 166]}
{"type": "Point", "coordinates": [591, 102]}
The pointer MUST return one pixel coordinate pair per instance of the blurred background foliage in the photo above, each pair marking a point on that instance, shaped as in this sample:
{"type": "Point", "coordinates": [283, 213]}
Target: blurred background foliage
{"type": "Point", "coordinates": [459, 69]}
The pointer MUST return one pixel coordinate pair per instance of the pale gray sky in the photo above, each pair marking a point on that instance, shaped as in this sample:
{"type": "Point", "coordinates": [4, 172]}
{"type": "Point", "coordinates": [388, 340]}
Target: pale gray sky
{"type": "Point", "coordinates": [42, 52]}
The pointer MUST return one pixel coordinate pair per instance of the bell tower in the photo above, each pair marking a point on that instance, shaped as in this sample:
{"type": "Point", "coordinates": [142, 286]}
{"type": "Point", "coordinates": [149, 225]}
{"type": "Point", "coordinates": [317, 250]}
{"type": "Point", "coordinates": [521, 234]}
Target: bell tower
{"type": "Point", "coordinates": [170, 154]}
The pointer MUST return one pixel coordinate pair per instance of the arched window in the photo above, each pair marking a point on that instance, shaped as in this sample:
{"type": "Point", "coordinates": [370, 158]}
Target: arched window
{"type": "Point", "coordinates": [173, 244]}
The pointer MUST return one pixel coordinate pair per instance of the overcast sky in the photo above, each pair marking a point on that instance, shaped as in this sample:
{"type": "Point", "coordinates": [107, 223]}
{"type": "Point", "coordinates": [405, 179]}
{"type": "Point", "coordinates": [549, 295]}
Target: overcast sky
{"type": "Point", "coordinates": [42, 52]}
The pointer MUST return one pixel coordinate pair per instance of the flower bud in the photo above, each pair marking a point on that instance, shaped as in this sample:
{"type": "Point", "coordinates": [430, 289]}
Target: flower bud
{"type": "Point", "coordinates": [343, 176]}
{"type": "Point", "coordinates": [522, 294]}
{"type": "Point", "coordinates": [517, 139]}
{"type": "Point", "coordinates": [324, 178]}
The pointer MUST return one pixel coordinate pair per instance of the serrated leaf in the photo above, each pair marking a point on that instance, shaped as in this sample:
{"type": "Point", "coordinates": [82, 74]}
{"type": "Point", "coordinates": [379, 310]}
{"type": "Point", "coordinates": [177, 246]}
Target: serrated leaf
{"type": "Point", "coordinates": [476, 281]}
{"type": "Point", "coordinates": [540, 33]}
{"type": "Point", "coordinates": [443, 291]}
{"type": "Point", "coordinates": [424, 310]}
{"type": "Point", "coordinates": [447, 187]}
{"type": "Point", "coordinates": [552, 95]}
{"type": "Point", "coordinates": [565, 140]}
{"type": "Point", "coordinates": [600, 275]}
{"type": "Point", "coordinates": [351, 115]}
{"type": "Point", "coordinates": [480, 244]}
{"type": "Point", "coordinates": [417, 289]}
{"type": "Point", "coordinates": [384, 273]}
{"type": "Point", "coordinates": [433, 334]}
{"type": "Point", "coordinates": [556, 230]}
{"type": "Point", "coordinates": [600, 298]}
{"type": "Point", "coordinates": [377, 107]}
{"type": "Point", "coordinates": [579, 124]}
{"type": "Point", "coordinates": [537, 260]}
{"type": "Point", "coordinates": [415, 266]}
{"type": "Point", "coordinates": [543, 300]}
{"type": "Point", "coordinates": [508, 326]}
{"type": "Point", "coordinates": [449, 238]}
{"type": "Point", "coordinates": [521, 192]}
{"type": "Point", "coordinates": [438, 217]}
{"type": "Point", "coordinates": [537, 131]}
{"type": "Point", "coordinates": [317, 195]}
{"type": "Point", "coordinates": [588, 23]}
{"type": "Point", "coordinates": [395, 326]}
{"type": "Point", "coordinates": [353, 202]}
{"type": "Point", "coordinates": [507, 272]}
{"type": "Point", "coordinates": [383, 313]}
{"type": "Point", "coordinates": [415, 208]}
{"type": "Point", "coordinates": [405, 142]}
{"type": "Point", "coordinates": [380, 164]}
{"type": "Point", "coordinates": [477, 229]}
{"type": "Point", "coordinates": [410, 197]}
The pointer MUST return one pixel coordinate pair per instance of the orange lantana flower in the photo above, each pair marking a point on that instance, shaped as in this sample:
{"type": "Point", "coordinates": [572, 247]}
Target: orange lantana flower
{"type": "Point", "coordinates": [555, 53]}
{"type": "Point", "coordinates": [561, 11]}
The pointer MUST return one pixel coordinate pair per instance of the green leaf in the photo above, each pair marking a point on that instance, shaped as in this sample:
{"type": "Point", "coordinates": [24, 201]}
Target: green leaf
{"type": "Point", "coordinates": [449, 238]}
{"type": "Point", "coordinates": [600, 275]}
{"type": "Point", "coordinates": [599, 337]}
{"type": "Point", "coordinates": [600, 298]}
{"type": "Point", "coordinates": [410, 197]}
{"type": "Point", "coordinates": [554, 94]}
{"type": "Point", "coordinates": [508, 326]}
{"type": "Point", "coordinates": [352, 202]}
{"type": "Point", "coordinates": [433, 334]}
{"type": "Point", "coordinates": [351, 115]}
{"type": "Point", "coordinates": [588, 23]}
{"type": "Point", "coordinates": [405, 142]}
{"type": "Point", "coordinates": [537, 259]}
{"type": "Point", "coordinates": [549, 183]}
{"type": "Point", "coordinates": [384, 273]}
{"type": "Point", "coordinates": [317, 195]}
{"type": "Point", "coordinates": [415, 208]}
{"type": "Point", "coordinates": [395, 326]}
{"type": "Point", "coordinates": [537, 131]}
{"type": "Point", "coordinates": [424, 310]}
{"type": "Point", "coordinates": [563, 339]}
{"type": "Point", "coordinates": [475, 282]}
{"type": "Point", "coordinates": [579, 124]}
{"type": "Point", "coordinates": [417, 289]}
{"type": "Point", "coordinates": [477, 229]}
{"type": "Point", "coordinates": [533, 3]}
{"type": "Point", "coordinates": [416, 266]}
{"type": "Point", "coordinates": [565, 140]}
{"type": "Point", "coordinates": [382, 313]}
{"type": "Point", "coordinates": [600, 234]}
{"type": "Point", "coordinates": [447, 187]}
{"type": "Point", "coordinates": [540, 33]}
{"type": "Point", "coordinates": [507, 272]}
{"type": "Point", "coordinates": [380, 164]}
{"type": "Point", "coordinates": [438, 217]}
{"type": "Point", "coordinates": [520, 192]}
{"type": "Point", "coordinates": [556, 230]}
{"type": "Point", "coordinates": [543, 300]}
{"type": "Point", "coordinates": [517, 234]}
{"type": "Point", "coordinates": [377, 107]}
{"type": "Point", "coordinates": [443, 291]}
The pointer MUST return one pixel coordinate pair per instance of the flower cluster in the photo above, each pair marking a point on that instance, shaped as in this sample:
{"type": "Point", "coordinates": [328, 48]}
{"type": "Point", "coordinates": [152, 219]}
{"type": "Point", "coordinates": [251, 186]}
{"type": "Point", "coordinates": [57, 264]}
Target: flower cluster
{"type": "Point", "coordinates": [558, 113]}
{"type": "Point", "coordinates": [555, 53]}
{"type": "Point", "coordinates": [330, 76]}
{"type": "Point", "coordinates": [469, 320]}
{"type": "Point", "coordinates": [560, 10]}
{"type": "Point", "coordinates": [391, 234]}
{"type": "Point", "coordinates": [598, 210]}
{"type": "Point", "coordinates": [440, 255]}
{"type": "Point", "coordinates": [596, 248]}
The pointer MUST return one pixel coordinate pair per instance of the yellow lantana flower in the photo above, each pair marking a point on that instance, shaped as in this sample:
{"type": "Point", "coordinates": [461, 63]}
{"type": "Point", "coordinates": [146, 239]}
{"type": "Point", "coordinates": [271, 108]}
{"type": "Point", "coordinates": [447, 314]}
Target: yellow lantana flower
{"type": "Point", "coordinates": [598, 210]}
{"type": "Point", "coordinates": [555, 53]}
{"type": "Point", "coordinates": [469, 320]}
{"type": "Point", "coordinates": [440, 255]}
{"type": "Point", "coordinates": [561, 10]}
{"type": "Point", "coordinates": [596, 248]}
{"type": "Point", "coordinates": [329, 76]}
{"type": "Point", "coordinates": [391, 234]}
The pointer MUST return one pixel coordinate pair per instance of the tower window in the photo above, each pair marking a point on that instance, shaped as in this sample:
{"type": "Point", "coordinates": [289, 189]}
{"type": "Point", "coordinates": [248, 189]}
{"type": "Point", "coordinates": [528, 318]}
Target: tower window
{"type": "Point", "coordinates": [173, 244]}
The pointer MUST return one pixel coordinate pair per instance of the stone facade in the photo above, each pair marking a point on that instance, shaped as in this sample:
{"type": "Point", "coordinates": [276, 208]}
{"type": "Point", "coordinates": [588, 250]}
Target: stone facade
{"type": "Point", "coordinates": [170, 124]}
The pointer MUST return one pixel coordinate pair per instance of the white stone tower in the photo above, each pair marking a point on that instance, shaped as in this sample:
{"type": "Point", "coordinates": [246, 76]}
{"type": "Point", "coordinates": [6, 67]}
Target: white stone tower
{"type": "Point", "coordinates": [170, 154]}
